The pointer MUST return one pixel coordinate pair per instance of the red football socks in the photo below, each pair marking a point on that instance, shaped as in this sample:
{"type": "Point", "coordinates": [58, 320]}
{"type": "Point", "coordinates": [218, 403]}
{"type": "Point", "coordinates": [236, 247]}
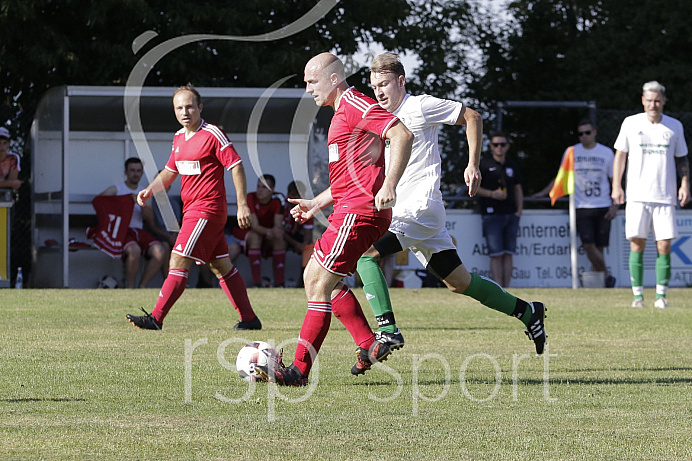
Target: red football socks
{"type": "Point", "coordinates": [279, 262]}
{"type": "Point", "coordinates": [255, 258]}
{"type": "Point", "coordinates": [347, 309]}
{"type": "Point", "coordinates": [234, 287]}
{"type": "Point", "coordinates": [172, 288]}
{"type": "Point", "coordinates": [312, 333]}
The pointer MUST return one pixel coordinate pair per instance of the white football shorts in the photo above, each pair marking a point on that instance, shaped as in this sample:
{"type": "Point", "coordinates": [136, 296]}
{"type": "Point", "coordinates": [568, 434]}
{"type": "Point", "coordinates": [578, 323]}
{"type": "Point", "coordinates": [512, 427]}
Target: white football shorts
{"type": "Point", "coordinates": [642, 217]}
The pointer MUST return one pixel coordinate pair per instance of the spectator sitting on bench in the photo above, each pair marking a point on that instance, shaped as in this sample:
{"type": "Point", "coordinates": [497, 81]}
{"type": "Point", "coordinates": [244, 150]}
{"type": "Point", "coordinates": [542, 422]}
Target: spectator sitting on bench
{"type": "Point", "coordinates": [264, 238]}
{"type": "Point", "coordinates": [138, 241]}
{"type": "Point", "coordinates": [298, 236]}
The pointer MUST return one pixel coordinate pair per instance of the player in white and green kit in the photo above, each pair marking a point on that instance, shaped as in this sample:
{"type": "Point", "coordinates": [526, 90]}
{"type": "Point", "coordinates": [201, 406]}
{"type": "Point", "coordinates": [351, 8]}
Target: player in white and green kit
{"type": "Point", "coordinates": [418, 217]}
{"type": "Point", "coordinates": [654, 148]}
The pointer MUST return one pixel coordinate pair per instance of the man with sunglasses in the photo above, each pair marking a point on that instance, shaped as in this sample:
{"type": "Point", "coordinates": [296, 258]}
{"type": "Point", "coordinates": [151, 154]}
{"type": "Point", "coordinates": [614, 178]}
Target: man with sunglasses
{"type": "Point", "coordinates": [501, 201]}
{"type": "Point", "coordinates": [593, 172]}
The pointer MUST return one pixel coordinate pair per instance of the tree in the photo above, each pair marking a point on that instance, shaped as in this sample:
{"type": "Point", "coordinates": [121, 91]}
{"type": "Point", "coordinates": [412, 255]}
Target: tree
{"type": "Point", "coordinates": [567, 50]}
{"type": "Point", "coordinates": [48, 43]}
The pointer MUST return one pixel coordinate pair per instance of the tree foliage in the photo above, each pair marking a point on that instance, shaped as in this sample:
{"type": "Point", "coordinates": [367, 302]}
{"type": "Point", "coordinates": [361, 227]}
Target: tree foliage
{"type": "Point", "coordinates": [578, 50]}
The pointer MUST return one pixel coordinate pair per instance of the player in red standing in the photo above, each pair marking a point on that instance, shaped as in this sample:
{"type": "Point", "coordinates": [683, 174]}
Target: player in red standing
{"type": "Point", "coordinates": [361, 195]}
{"type": "Point", "coordinates": [200, 153]}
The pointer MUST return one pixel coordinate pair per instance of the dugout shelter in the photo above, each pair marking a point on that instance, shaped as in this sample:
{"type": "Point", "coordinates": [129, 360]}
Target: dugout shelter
{"type": "Point", "coordinates": [80, 139]}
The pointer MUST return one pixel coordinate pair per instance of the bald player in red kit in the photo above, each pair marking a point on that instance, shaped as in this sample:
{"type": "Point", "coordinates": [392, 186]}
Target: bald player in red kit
{"type": "Point", "coordinates": [201, 152]}
{"type": "Point", "coordinates": [362, 197]}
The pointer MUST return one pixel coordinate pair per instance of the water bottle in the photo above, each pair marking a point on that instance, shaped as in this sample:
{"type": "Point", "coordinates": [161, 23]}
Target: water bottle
{"type": "Point", "coordinates": [19, 283]}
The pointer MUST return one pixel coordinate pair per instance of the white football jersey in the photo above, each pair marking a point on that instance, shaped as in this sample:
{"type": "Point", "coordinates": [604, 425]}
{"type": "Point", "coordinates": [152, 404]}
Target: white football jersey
{"type": "Point", "coordinates": [651, 148]}
{"type": "Point", "coordinates": [592, 170]}
{"type": "Point", "coordinates": [418, 193]}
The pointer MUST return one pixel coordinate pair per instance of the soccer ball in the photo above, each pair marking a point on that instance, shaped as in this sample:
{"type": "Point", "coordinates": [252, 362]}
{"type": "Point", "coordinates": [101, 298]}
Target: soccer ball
{"type": "Point", "coordinates": [253, 354]}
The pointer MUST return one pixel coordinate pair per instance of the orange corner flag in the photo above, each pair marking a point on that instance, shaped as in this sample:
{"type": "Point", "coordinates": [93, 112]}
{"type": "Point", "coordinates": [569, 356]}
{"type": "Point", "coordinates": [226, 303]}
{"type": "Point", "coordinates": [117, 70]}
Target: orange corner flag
{"type": "Point", "coordinates": [564, 181]}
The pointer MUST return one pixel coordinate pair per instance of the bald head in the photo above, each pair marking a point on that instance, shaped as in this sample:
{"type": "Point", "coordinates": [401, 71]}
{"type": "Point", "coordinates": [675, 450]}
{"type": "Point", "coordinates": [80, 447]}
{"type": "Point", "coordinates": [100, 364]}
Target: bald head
{"type": "Point", "coordinates": [324, 78]}
{"type": "Point", "coordinates": [327, 62]}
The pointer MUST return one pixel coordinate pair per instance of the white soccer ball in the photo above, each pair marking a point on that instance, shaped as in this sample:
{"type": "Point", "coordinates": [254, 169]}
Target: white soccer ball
{"type": "Point", "coordinates": [253, 354]}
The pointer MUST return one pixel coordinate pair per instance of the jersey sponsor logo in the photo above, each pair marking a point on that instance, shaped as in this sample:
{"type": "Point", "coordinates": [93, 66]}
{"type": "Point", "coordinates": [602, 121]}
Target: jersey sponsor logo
{"type": "Point", "coordinates": [333, 153]}
{"type": "Point", "coordinates": [188, 167]}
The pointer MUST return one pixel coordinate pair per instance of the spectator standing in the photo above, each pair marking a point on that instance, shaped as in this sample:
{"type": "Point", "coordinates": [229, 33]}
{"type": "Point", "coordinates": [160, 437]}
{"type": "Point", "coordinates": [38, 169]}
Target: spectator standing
{"type": "Point", "coordinates": [595, 210]}
{"type": "Point", "coordinates": [501, 202]}
{"type": "Point", "coordinates": [9, 163]}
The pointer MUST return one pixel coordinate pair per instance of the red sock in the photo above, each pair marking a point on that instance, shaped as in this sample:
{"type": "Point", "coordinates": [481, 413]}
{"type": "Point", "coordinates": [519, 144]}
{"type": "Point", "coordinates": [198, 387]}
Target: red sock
{"type": "Point", "coordinates": [234, 287]}
{"type": "Point", "coordinates": [255, 257]}
{"type": "Point", "coordinates": [314, 330]}
{"type": "Point", "coordinates": [347, 309]}
{"type": "Point", "coordinates": [172, 288]}
{"type": "Point", "coordinates": [279, 260]}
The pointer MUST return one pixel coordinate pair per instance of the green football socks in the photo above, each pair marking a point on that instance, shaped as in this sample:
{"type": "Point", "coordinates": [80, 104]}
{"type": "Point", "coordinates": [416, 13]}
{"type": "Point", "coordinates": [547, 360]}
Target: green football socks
{"type": "Point", "coordinates": [636, 263]}
{"type": "Point", "coordinates": [662, 275]}
{"type": "Point", "coordinates": [492, 295]}
{"type": "Point", "coordinates": [377, 293]}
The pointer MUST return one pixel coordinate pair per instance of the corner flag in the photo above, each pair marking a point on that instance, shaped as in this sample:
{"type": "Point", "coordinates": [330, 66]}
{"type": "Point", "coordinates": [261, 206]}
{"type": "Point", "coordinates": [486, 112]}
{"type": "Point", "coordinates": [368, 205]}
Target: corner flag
{"type": "Point", "coordinates": [564, 181]}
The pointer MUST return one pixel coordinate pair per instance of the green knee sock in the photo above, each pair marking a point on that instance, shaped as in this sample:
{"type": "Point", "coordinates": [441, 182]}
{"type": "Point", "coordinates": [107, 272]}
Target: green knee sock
{"type": "Point", "coordinates": [492, 295]}
{"type": "Point", "coordinates": [377, 293]}
{"type": "Point", "coordinates": [662, 275]}
{"type": "Point", "coordinates": [636, 263]}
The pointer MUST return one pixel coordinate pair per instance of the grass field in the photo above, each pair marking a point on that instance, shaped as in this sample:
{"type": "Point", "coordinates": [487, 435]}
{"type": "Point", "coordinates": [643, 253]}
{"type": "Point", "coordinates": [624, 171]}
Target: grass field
{"type": "Point", "coordinates": [79, 382]}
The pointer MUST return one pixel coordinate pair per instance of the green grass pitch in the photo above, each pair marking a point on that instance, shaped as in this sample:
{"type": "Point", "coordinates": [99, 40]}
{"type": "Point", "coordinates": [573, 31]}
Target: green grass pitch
{"type": "Point", "coordinates": [78, 382]}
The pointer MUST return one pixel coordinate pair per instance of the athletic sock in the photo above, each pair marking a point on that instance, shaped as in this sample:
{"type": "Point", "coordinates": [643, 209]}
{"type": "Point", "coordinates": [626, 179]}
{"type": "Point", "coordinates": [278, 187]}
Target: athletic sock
{"type": "Point", "coordinates": [279, 262]}
{"type": "Point", "coordinates": [636, 263]}
{"type": "Point", "coordinates": [255, 258]}
{"type": "Point", "coordinates": [662, 275]}
{"type": "Point", "coordinates": [234, 286]}
{"type": "Point", "coordinates": [347, 309]}
{"type": "Point", "coordinates": [492, 295]}
{"type": "Point", "coordinates": [377, 293]}
{"type": "Point", "coordinates": [312, 333]}
{"type": "Point", "coordinates": [172, 288]}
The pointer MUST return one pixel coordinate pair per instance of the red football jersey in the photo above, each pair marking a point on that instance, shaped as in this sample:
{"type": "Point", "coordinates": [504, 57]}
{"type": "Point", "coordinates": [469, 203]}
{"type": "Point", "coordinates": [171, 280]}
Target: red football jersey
{"type": "Point", "coordinates": [200, 161]}
{"type": "Point", "coordinates": [356, 153]}
{"type": "Point", "coordinates": [265, 213]}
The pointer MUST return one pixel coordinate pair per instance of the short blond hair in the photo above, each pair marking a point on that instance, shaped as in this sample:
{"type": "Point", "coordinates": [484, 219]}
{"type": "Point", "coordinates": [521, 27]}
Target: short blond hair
{"type": "Point", "coordinates": [388, 62]}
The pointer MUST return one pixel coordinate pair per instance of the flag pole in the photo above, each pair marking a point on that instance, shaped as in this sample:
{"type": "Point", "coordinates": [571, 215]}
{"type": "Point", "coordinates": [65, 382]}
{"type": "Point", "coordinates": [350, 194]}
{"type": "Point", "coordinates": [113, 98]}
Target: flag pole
{"type": "Point", "coordinates": [573, 241]}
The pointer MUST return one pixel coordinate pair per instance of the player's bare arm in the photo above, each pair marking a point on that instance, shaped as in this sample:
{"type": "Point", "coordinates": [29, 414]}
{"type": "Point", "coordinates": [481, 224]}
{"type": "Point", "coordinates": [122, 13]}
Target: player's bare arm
{"type": "Point", "coordinates": [240, 183]}
{"type": "Point", "coordinates": [474, 136]}
{"type": "Point", "coordinates": [683, 167]}
{"type": "Point", "coordinates": [618, 194]}
{"type": "Point", "coordinates": [305, 209]}
{"type": "Point", "coordinates": [164, 179]}
{"type": "Point", "coordinates": [400, 143]}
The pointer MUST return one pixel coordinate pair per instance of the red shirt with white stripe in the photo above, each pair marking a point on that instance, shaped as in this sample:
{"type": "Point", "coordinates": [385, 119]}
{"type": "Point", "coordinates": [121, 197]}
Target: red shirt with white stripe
{"type": "Point", "coordinates": [356, 153]}
{"type": "Point", "coordinates": [200, 161]}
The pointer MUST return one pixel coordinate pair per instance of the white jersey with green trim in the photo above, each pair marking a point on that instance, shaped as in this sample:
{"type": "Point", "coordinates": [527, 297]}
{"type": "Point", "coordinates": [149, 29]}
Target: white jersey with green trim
{"type": "Point", "coordinates": [651, 148]}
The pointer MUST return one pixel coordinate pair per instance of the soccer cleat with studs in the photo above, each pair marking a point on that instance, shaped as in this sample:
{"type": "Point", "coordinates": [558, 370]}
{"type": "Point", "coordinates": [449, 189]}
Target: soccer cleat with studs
{"type": "Point", "coordinates": [638, 302]}
{"type": "Point", "coordinates": [254, 324]}
{"type": "Point", "coordinates": [144, 322]}
{"type": "Point", "coordinates": [535, 329]}
{"type": "Point", "coordinates": [378, 352]}
{"type": "Point", "coordinates": [393, 340]}
{"type": "Point", "coordinates": [283, 376]}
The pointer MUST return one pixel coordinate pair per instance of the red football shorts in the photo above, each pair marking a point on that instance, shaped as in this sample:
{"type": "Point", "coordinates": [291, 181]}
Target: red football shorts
{"type": "Point", "coordinates": [140, 237]}
{"type": "Point", "coordinates": [201, 239]}
{"type": "Point", "coordinates": [346, 239]}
